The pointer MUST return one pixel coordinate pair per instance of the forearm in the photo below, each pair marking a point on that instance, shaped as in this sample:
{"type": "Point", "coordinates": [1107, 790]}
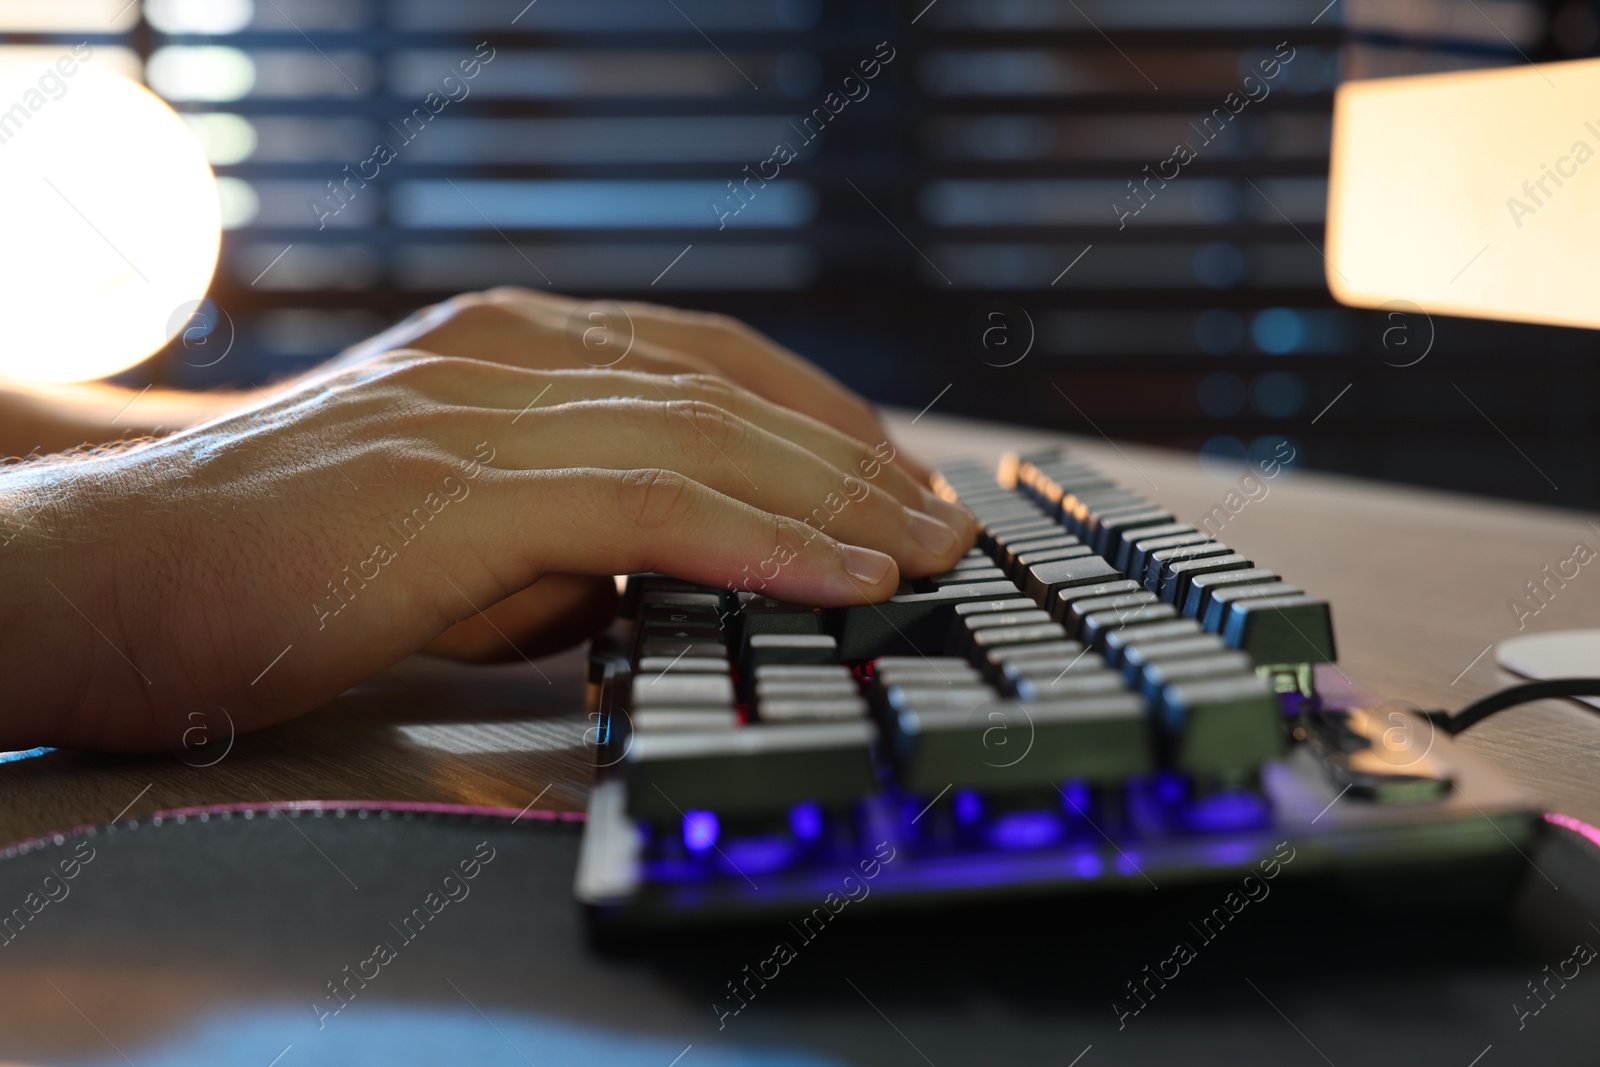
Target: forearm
{"type": "Point", "coordinates": [54, 418]}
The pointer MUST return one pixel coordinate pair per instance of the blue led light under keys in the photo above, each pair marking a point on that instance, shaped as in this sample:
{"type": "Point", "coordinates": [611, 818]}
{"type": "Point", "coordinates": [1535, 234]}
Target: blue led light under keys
{"type": "Point", "coordinates": [805, 820]}
{"type": "Point", "coordinates": [1025, 829]}
{"type": "Point", "coordinates": [968, 806]}
{"type": "Point", "coordinates": [1075, 797]}
{"type": "Point", "coordinates": [1233, 810]}
{"type": "Point", "coordinates": [700, 829]}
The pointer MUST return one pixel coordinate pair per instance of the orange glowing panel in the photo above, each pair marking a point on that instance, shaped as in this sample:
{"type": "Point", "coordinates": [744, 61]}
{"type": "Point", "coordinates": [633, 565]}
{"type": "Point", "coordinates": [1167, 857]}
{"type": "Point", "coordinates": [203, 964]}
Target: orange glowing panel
{"type": "Point", "coordinates": [1473, 193]}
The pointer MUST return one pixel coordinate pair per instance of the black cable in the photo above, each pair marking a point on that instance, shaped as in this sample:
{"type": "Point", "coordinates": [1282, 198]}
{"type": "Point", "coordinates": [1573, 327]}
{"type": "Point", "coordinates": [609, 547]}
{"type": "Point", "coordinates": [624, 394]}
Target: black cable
{"type": "Point", "coordinates": [1479, 710]}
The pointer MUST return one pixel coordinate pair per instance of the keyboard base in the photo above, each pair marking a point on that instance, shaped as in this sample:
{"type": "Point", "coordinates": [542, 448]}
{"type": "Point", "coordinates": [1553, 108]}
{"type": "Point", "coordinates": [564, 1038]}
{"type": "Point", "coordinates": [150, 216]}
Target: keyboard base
{"type": "Point", "coordinates": [1309, 829]}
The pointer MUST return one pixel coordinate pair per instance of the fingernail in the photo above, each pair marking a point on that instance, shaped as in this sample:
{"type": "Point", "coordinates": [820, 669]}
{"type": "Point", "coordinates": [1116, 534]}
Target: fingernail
{"type": "Point", "coordinates": [866, 565]}
{"type": "Point", "coordinates": [931, 534]}
{"type": "Point", "coordinates": [952, 515]}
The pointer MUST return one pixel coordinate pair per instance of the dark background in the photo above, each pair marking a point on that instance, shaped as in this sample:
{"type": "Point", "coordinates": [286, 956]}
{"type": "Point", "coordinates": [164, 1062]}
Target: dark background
{"type": "Point", "coordinates": [981, 166]}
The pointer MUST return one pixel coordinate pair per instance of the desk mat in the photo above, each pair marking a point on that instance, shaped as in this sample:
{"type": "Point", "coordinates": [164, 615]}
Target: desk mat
{"type": "Point", "coordinates": [285, 937]}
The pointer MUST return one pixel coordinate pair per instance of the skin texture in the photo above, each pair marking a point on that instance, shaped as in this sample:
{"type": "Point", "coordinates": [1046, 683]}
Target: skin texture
{"type": "Point", "coordinates": [472, 502]}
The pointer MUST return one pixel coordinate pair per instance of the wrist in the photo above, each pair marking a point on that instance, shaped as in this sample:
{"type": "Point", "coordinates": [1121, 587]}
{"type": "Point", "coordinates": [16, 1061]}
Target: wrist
{"type": "Point", "coordinates": [55, 418]}
{"type": "Point", "coordinates": [66, 656]}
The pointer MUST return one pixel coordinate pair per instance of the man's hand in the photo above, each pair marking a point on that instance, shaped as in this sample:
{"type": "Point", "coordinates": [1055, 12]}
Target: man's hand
{"type": "Point", "coordinates": [272, 558]}
{"type": "Point", "coordinates": [526, 328]}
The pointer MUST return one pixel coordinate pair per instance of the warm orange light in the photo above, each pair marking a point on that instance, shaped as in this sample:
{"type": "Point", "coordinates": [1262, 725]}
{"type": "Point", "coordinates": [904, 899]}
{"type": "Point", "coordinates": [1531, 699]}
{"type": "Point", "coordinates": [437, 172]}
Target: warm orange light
{"type": "Point", "coordinates": [1472, 194]}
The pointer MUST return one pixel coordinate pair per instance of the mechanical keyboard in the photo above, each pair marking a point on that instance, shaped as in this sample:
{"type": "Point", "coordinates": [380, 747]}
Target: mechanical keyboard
{"type": "Point", "coordinates": [1099, 697]}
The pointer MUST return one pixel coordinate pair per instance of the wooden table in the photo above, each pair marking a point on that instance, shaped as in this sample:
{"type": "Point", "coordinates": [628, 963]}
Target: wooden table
{"type": "Point", "coordinates": [1420, 582]}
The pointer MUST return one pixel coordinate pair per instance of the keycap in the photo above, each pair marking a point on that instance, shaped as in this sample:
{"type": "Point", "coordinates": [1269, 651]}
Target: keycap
{"type": "Point", "coordinates": [1040, 679]}
{"type": "Point", "coordinates": [656, 720]}
{"type": "Point", "coordinates": [984, 607]}
{"type": "Point", "coordinates": [812, 709]}
{"type": "Point", "coordinates": [1175, 577]}
{"type": "Point", "coordinates": [1226, 724]}
{"type": "Point", "coordinates": [1148, 542]}
{"type": "Point", "coordinates": [684, 631]}
{"type": "Point", "coordinates": [1119, 641]}
{"type": "Point", "coordinates": [712, 603]}
{"type": "Point", "coordinates": [995, 659]}
{"type": "Point", "coordinates": [1011, 745]}
{"type": "Point", "coordinates": [754, 769]}
{"type": "Point", "coordinates": [1078, 507]}
{"type": "Point", "coordinates": [1158, 561]}
{"type": "Point", "coordinates": [898, 698]}
{"type": "Point", "coordinates": [1108, 532]}
{"type": "Point", "coordinates": [657, 616]}
{"type": "Point", "coordinates": [806, 672]}
{"type": "Point", "coordinates": [1025, 560]}
{"type": "Point", "coordinates": [1142, 653]}
{"type": "Point", "coordinates": [1279, 630]}
{"type": "Point", "coordinates": [1061, 600]}
{"type": "Point", "coordinates": [977, 559]}
{"type": "Point", "coordinates": [991, 619]}
{"type": "Point", "coordinates": [907, 623]}
{"type": "Point", "coordinates": [1156, 676]}
{"type": "Point", "coordinates": [1007, 542]}
{"type": "Point", "coordinates": [1015, 547]}
{"type": "Point", "coordinates": [1123, 559]}
{"type": "Point", "coordinates": [687, 664]}
{"type": "Point", "coordinates": [982, 642]}
{"type": "Point", "coordinates": [1045, 578]}
{"type": "Point", "coordinates": [1018, 528]}
{"type": "Point", "coordinates": [763, 615]}
{"type": "Point", "coordinates": [887, 670]}
{"type": "Point", "coordinates": [1080, 609]}
{"type": "Point", "coordinates": [791, 648]}
{"type": "Point", "coordinates": [986, 574]}
{"type": "Point", "coordinates": [1223, 598]}
{"type": "Point", "coordinates": [1201, 585]}
{"type": "Point", "coordinates": [1096, 626]}
{"type": "Point", "coordinates": [704, 690]}
{"type": "Point", "coordinates": [805, 688]}
{"type": "Point", "coordinates": [640, 584]}
{"type": "Point", "coordinates": [672, 647]}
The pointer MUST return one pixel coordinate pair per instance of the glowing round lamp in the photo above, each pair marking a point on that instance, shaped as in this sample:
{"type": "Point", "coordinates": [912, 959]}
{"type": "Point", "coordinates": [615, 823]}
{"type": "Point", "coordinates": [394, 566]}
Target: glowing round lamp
{"type": "Point", "coordinates": [111, 222]}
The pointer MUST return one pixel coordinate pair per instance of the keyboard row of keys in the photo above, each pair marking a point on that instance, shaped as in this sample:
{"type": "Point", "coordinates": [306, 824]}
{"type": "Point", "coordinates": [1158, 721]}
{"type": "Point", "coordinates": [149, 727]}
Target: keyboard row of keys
{"type": "Point", "coordinates": [1038, 529]}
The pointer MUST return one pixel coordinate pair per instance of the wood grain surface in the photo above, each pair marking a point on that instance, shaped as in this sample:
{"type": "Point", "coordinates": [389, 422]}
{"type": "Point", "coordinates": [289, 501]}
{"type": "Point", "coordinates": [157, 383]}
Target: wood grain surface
{"type": "Point", "coordinates": [1420, 583]}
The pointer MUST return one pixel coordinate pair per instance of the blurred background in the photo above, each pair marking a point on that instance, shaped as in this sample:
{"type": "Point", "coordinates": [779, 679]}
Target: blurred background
{"type": "Point", "coordinates": [956, 217]}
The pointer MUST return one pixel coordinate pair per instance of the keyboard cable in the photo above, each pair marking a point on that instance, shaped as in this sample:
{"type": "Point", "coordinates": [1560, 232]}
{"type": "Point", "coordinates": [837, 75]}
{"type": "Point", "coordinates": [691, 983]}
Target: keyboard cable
{"type": "Point", "coordinates": [1479, 710]}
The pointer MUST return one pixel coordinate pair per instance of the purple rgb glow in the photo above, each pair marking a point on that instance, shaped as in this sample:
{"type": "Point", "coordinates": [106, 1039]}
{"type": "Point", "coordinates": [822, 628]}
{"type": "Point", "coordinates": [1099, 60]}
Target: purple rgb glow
{"type": "Point", "coordinates": [805, 820]}
{"type": "Point", "coordinates": [968, 805]}
{"type": "Point", "coordinates": [1088, 865]}
{"type": "Point", "coordinates": [1236, 810]}
{"type": "Point", "coordinates": [700, 830]}
{"type": "Point", "coordinates": [1075, 797]}
{"type": "Point", "coordinates": [1171, 788]}
{"type": "Point", "coordinates": [758, 855]}
{"type": "Point", "coordinates": [1025, 829]}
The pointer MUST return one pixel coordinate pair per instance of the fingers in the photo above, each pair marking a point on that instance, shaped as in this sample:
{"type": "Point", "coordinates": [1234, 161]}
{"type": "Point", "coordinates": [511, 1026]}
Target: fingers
{"type": "Point", "coordinates": [736, 458]}
{"type": "Point", "coordinates": [618, 522]}
{"type": "Point", "coordinates": [736, 351]}
{"type": "Point", "coordinates": [518, 332]}
{"type": "Point", "coordinates": [505, 387]}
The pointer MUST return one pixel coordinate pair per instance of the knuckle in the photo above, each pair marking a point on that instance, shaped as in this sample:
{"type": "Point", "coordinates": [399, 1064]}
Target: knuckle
{"type": "Point", "coordinates": [704, 425]}
{"type": "Point", "coordinates": [410, 368]}
{"type": "Point", "coordinates": [706, 386]}
{"type": "Point", "coordinates": [490, 315]}
{"type": "Point", "coordinates": [655, 498]}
